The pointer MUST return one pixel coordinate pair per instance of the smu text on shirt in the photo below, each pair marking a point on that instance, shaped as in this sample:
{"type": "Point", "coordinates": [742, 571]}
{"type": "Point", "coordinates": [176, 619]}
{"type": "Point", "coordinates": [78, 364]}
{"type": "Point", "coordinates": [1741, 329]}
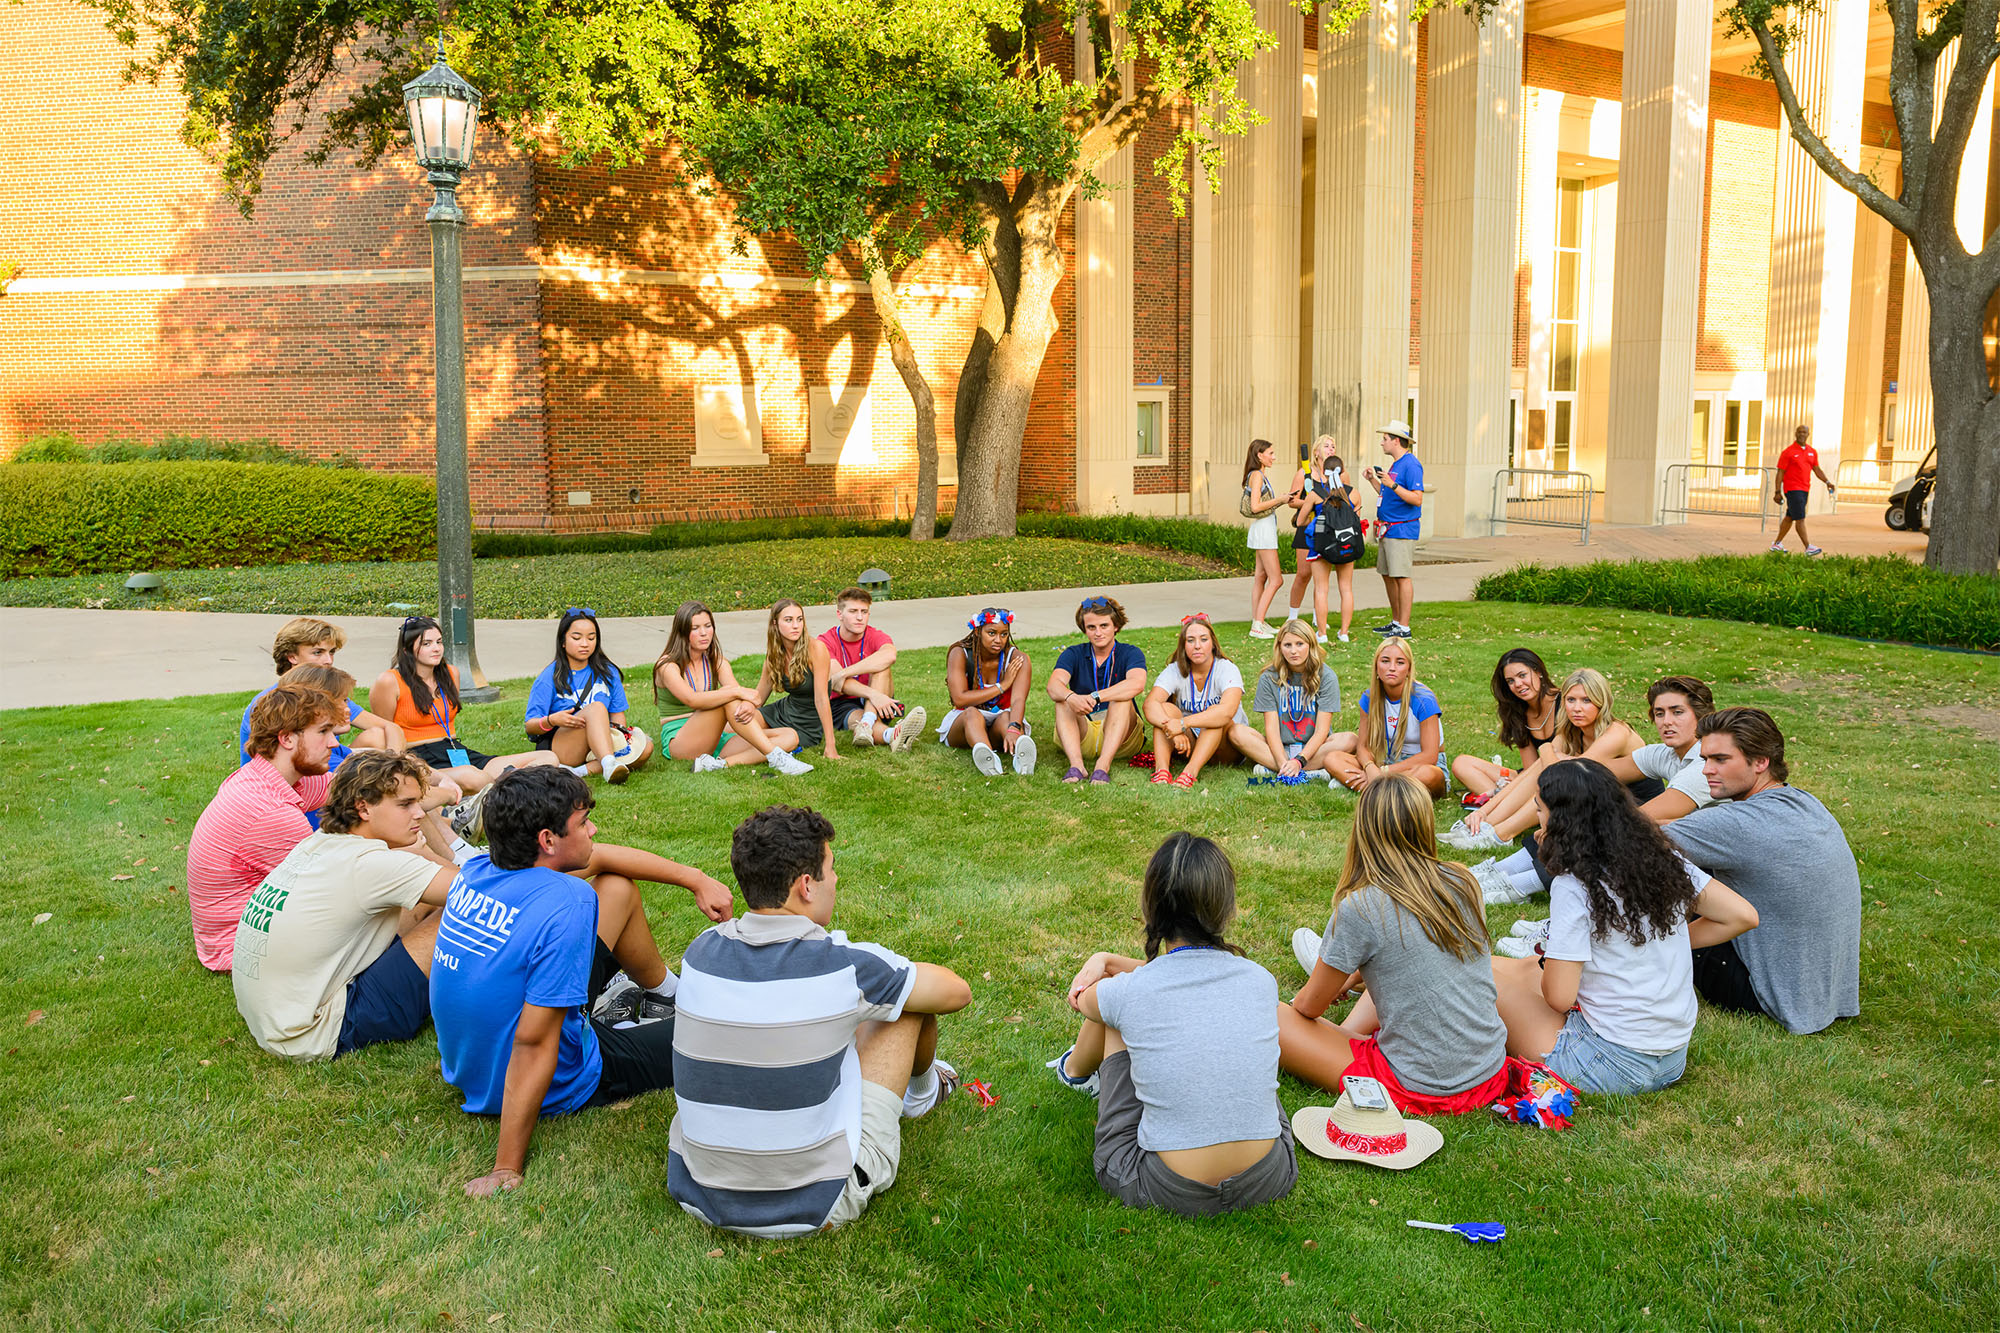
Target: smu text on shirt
{"type": "Point", "coordinates": [476, 922]}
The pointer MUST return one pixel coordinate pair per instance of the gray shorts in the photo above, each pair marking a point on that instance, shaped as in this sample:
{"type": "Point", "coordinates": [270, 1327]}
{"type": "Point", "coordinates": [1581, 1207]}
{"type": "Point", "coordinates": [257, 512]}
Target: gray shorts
{"type": "Point", "coordinates": [1396, 557]}
{"type": "Point", "coordinates": [1139, 1179]}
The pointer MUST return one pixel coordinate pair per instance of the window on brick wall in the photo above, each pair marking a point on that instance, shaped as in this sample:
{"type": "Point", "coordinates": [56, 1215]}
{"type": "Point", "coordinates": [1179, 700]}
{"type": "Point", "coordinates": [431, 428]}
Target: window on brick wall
{"type": "Point", "coordinates": [1150, 424]}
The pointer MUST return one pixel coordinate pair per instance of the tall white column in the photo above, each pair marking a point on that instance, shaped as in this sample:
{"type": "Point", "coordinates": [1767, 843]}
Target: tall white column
{"type": "Point", "coordinates": [1364, 174]}
{"type": "Point", "coordinates": [1867, 333]}
{"type": "Point", "coordinates": [1105, 441]}
{"type": "Point", "coordinates": [1661, 135]}
{"type": "Point", "coordinates": [1471, 205]}
{"type": "Point", "coordinates": [1812, 234]}
{"type": "Point", "coordinates": [1256, 293]}
{"type": "Point", "coordinates": [1916, 424]}
{"type": "Point", "coordinates": [1541, 141]}
{"type": "Point", "coordinates": [1205, 473]}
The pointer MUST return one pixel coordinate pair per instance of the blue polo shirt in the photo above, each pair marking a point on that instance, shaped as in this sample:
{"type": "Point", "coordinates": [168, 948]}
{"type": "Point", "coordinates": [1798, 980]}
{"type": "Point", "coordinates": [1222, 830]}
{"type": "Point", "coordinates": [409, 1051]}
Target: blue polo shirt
{"type": "Point", "coordinates": [1088, 676]}
{"type": "Point", "coordinates": [1399, 514]}
{"type": "Point", "coordinates": [509, 938]}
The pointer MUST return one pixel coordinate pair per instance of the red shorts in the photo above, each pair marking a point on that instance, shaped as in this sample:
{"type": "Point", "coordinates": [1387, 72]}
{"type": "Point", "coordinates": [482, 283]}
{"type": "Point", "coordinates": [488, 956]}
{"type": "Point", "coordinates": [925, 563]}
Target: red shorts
{"type": "Point", "coordinates": [1510, 1080]}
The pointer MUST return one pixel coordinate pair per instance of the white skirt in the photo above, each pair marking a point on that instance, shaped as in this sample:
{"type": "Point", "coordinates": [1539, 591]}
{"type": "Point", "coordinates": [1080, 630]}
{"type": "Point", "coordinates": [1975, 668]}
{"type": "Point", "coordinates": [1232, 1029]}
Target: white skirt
{"type": "Point", "coordinates": [1263, 534]}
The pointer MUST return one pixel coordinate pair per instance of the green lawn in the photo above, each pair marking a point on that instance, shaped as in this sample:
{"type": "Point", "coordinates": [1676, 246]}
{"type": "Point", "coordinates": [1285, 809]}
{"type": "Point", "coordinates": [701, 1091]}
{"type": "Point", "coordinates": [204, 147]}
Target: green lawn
{"type": "Point", "coordinates": [639, 583]}
{"type": "Point", "coordinates": [157, 1171]}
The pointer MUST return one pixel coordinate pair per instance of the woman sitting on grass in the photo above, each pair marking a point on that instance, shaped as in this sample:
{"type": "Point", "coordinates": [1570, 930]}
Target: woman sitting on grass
{"type": "Point", "coordinates": [419, 693]}
{"type": "Point", "coordinates": [692, 672]}
{"type": "Point", "coordinates": [1194, 704]}
{"type": "Point", "coordinates": [576, 708]}
{"type": "Point", "coordinates": [1611, 1006]}
{"type": "Point", "coordinates": [1411, 927]}
{"type": "Point", "coordinates": [1402, 728]}
{"type": "Point", "coordinates": [1181, 1052]}
{"type": "Point", "coordinates": [796, 665]}
{"type": "Point", "coordinates": [1588, 728]}
{"type": "Point", "coordinates": [1527, 701]}
{"type": "Point", "coordinates": [989, 679]}
{"type": "Point", "coordinates": [1299, 696]}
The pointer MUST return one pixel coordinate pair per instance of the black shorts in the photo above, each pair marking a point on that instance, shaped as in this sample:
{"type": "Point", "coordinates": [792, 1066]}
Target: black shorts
{"type": "Point", "coordinates": [435, 754]}
{"type": "Point", "coordinates": [1721, 978]}
{"type": "Point", "coordinates": [636, 1059]}
{"type": "Point", "coordinates": [1645, 789]}
{"type": "Point", "coordinates": [1531, 844]}
{"type": "Point", "coordinates": [1795, 504]}
{"type": "Point", "coordinates": [389, 1001]}
{"type": "Point", "coordinates": [844, 706]}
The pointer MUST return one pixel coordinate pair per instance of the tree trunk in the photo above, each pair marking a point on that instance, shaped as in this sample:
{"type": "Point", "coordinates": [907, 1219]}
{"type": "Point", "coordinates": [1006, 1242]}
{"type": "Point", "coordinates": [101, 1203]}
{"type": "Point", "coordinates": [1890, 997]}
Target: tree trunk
{"type": "Point", "coordinates": [1024, 267]}
{"type": "Point", "coordinates": [888, 310]}
{"type": "Point", "coordinates": [1965, 509]}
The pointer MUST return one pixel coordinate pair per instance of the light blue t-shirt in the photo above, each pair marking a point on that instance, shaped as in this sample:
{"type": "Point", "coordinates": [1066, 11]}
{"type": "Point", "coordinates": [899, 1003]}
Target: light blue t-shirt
{"type": "Point", "coordinates": [509, 938]}
{"type": "Point", "coordinates": [585, 687]}
{"type": "Point", "coordinates": [1401, 516]}
{"type": "Point", "coordinates": [1423, 707]}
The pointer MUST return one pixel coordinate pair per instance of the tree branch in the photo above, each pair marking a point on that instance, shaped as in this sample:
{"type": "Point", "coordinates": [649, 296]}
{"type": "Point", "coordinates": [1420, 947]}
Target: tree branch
{"type": "Point", "coordinates": [1910, 98]}
{"type": "Point", "coordinates": [1895, 213]}
{"type": "Point", "coordinates": [1963, 94]}
{"type": "Point", "coordinates": [1120, 128]}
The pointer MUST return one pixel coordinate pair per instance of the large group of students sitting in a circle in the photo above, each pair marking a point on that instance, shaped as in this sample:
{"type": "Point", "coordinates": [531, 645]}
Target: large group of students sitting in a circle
{"type": "Point", "coordinates": [343, 889]}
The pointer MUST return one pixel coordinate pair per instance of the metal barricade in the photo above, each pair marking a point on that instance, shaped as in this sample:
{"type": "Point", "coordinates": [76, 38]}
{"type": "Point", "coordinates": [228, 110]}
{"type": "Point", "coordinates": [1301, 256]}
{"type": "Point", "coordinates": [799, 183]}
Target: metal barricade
{"type": "Point", "coordinates": [1866, 480]}
{"type": "Point", "coordinates": [1716, 490]}
{"type": "Point", "coordinates": [1543, 498]}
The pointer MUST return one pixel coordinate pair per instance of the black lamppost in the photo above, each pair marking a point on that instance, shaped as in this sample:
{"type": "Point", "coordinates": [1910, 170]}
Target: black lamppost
{"type": "Point", "coordinates": [444, 113]}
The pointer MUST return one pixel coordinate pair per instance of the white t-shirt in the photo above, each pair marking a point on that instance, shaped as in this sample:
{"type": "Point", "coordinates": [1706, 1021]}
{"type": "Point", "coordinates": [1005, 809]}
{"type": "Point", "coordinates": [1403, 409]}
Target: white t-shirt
{"type": "Point", "coordinates": [1222, 676]}
{"type": "Point", "coordinates": [1638, 995]}
{"type": "Point", "coordinates": [322, 915]}
{"type": "Point", "coordinates": [1681, 773]}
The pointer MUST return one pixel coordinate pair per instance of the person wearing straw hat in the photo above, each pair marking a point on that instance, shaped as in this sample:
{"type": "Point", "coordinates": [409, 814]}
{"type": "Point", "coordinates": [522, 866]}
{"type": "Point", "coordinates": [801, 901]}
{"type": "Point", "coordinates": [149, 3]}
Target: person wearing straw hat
{"type": "Point", "coordinates": [1401, 486]}
{"type": "Point", "coordinates": [1365, 1126]}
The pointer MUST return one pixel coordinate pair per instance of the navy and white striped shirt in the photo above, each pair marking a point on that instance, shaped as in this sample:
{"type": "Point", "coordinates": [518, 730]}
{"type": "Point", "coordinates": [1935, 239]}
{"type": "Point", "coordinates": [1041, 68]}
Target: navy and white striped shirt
{"type": "Point", "coordinates": [766, 1078]}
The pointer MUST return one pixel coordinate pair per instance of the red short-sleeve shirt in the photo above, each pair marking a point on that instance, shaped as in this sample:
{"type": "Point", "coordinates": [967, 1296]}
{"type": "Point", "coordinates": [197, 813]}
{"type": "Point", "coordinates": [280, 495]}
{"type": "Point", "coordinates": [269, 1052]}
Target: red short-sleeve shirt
{"type": "Point", "coordinates": [254, 821]}
{"type": "Point", "coordinates": [1796, 464]}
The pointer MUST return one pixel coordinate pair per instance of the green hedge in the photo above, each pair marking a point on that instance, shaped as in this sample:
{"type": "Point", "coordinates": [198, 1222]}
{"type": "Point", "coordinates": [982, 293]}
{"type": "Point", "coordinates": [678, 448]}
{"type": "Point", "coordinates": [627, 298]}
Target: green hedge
{"type": "Point", "coordinates": [63, 447]}
{"type": "Point", "coordinates": [75, 518]}
{"type": "Point", "coordinates": [1883, 597]}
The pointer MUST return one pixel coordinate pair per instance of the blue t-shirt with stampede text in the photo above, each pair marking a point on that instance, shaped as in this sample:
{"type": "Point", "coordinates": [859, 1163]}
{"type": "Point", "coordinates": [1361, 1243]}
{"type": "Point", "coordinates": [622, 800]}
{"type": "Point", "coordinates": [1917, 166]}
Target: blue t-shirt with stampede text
{"type": "Point", "coordinates": [509, 938]}
{"type": "Point", "coordinates": [1398, 513]}
{"type": "Point", "coordinates": [1089, 676]}
{"type": "Point", "coordinates": [585, 687]}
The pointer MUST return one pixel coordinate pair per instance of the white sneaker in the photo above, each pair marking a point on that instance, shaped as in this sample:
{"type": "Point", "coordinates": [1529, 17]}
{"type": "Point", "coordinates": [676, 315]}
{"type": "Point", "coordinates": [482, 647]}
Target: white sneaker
{"type": "Point", "coordinates": [1259, 771]}
{"type": "Point", "coordinates": [986, 761]}
{"type": "Point", "coordinates": [1524, 929]}
{"type": "Point", "coordinates": [1305, 948]}
{"type": "Point", "coordinates": [1496, 887]}
{"type": "Point", "coordinates": [947, 1084]}
{"type": "Point", "coordinates": [1086, 1085]}
{"type": "Point", "coordinates": [862, 726]}
{"type": "Point", "coordinates": [1322, 637]}
{"type": "Point", "coordinates": [1485, 840]}
{"type": "Point", "coordinates": [614, 767]}
{"type": "Point", "coordinates": [1513, 946]}
{"type": "Point", "coordinates": [1343, 637]}
{"type": "Point", "coordinates": [1777, 548]}
{"type": "Point", "coordinates": [1259, 629]}
{"type": "Point", "coordinates": [907, 731]}
{"type": "Point", "coordinates": [708, 763]}
{"type": "Point", "coordinates": [788, 763]}
{"type": "Point", "coordinates": [1024, 756]}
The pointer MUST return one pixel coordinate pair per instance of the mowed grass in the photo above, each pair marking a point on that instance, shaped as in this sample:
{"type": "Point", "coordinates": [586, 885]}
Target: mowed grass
{"type": "Point", "coordinates": [640, 583]}
{"type": "Point", "coordinates": [160, 1172]}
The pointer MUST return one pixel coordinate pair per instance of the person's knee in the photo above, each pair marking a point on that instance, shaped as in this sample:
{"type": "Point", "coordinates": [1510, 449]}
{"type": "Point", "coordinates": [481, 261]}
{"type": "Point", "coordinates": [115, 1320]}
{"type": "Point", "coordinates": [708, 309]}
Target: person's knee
{"type": "Point", "coordinates": [595, 710]}
{"type": "Point", "coordinates": [617, 899]}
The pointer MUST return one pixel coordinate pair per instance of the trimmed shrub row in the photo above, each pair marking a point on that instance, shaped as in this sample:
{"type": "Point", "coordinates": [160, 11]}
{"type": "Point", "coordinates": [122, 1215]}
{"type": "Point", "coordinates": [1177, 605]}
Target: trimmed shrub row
{"type": "Point", "coordinates": [1881, 597]}
{"type": "Point", "coordinates": [63, 447]}
{"type": "Point", "coordinates": [74, 518]}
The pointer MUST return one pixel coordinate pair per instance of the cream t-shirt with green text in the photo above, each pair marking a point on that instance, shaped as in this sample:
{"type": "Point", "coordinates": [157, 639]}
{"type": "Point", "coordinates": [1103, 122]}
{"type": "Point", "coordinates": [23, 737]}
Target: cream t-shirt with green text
{"type": "Point", "coordinates": [322, 915]}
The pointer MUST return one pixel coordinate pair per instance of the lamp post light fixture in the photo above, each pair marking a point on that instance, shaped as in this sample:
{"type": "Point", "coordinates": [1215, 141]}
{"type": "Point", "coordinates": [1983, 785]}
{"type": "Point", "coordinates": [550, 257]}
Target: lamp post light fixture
{"type": "Point", "coordinates": [444, 113]}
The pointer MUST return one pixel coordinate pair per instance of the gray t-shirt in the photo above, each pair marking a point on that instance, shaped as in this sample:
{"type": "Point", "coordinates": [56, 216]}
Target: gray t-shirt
{"type": "Point", "coordinates": [1441, 1030]}
{"type": "Point", "coordinates": [1202, 1026]}
{"type": "Point", "coordinates": [1297, 714]}
{"type": "Point", "coordinates": [1786, 853]}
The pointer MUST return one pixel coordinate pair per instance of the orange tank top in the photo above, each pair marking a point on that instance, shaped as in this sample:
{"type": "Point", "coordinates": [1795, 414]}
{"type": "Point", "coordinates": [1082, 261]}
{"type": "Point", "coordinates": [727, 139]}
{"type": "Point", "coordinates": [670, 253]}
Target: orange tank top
{"type": "Point", "coordinates": [420, 727]}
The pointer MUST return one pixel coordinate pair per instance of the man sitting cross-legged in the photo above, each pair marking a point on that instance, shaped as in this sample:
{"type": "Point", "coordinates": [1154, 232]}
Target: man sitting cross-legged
{"type": "Point", "coordinates": [1096, 686]}
{"type": "Point", "coordinates": [797, 1053]}
{"type": "Point", "coordinates": [527, 945]}
{"type": "Point", "coordinates": [334, 949]}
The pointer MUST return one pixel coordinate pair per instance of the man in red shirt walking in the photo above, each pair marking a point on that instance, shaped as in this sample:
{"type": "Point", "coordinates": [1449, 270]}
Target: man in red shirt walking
{"type": "Point", "coordinates": [1797, 466]}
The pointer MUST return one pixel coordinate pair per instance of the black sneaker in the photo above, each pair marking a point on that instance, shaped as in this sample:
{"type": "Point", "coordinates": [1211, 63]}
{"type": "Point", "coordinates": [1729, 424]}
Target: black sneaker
{"type": "Point", "coordinates": [1398, 632]}
{"type": "Point", "coordinates": [1387, 629]}
{"type": "Point", "coordinates": [653, 1007]}
{"type": "Point", "coordinates": [620, 1003]}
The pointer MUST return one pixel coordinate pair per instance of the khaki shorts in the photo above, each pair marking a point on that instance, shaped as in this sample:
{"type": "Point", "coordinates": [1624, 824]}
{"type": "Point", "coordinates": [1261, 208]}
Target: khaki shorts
{"type": "Point", "coordinates": [1396, 557]}
{"type": "Point", "coordinates": [881, 1153]}
{"type": "Point", "coordinates": [1093, 735]}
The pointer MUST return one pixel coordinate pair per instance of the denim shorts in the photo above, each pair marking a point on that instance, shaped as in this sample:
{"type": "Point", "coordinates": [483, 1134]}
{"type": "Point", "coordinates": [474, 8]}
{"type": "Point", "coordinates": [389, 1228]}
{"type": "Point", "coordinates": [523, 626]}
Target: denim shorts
{"type": "Point", "coordinates": [1591, 1063]}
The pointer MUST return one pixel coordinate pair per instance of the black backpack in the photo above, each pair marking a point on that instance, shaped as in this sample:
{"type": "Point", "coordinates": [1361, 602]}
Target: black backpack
{"type": "Point", "coordinates": [1338, 538]}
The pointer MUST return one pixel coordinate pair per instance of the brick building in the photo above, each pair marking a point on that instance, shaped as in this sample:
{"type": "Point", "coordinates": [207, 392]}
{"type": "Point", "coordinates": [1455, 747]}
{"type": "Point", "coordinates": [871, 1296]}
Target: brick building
{"type": "Point", "coordinates": [626, 365]}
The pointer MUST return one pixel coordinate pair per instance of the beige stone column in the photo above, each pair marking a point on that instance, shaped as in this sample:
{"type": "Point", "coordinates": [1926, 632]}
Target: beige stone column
{"type": "Point", "coordinates": [1812, 237]}
{"type": "Point", "coordinates": [1364, 173]}
{"type": "Point", "coordinates": [1105, 441]}
{"type": "Point", "coordinates": [1471, 206]}
{"type": "Point", "coordinates": [1203, 471]}
{"type": "Point", "coordinates": [1916, 424]}
{"type": "Point", "coordinates": [1867, 333]}
{"type": "Point", "coordinates": [1662, 127]}
{"type": "Point", "coordinates": [1256, 264]}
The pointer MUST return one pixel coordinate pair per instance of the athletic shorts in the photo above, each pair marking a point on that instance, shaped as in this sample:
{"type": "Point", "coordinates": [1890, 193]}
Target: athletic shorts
{"type": "Point", "coordinates": [1795, 504]}
{"type": "Point", "coordinates": [1136, 1176]}
{"type": "Point", "coordinates": [1721, 978]}
{"type": "Point", "coordinates": [670, 727]}
{"type": "Point", "coordinates": [636, 1059]}
{"type": "Point", "coordinates": [389, 1000]}
{"type": "Point", "coordinates": [1396, 557]}
{"type": "Point", "coordinates": [845, 706]}
{"type": "Point", "coordinates": [995, 719]}
{"type": "Point", "coordinates": [436, 754]}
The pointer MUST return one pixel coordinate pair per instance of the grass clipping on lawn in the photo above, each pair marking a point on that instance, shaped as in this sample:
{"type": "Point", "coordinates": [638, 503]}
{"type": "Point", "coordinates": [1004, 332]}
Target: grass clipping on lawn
{"type": "Point", "coordinates": [162, 1172]}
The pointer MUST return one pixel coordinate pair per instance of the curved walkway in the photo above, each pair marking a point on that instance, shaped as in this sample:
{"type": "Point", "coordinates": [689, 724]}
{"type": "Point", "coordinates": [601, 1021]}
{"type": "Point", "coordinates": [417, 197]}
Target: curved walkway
{"type": "Point", "coordinates": [56, 656]}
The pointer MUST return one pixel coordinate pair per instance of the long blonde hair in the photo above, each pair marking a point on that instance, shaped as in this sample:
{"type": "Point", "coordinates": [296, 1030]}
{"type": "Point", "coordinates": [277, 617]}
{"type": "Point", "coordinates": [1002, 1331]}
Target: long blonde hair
{"type": "Point", "coordinates": [788, 664]}
{"type": "Point", "coordinates": [1393, 847]}
{"type": "Point", "coordinates": [1387, 748]}
{"type": "Point", "coordinates": [1281, 670]}
{"type": "Point", "coordinates": [1570, 739]}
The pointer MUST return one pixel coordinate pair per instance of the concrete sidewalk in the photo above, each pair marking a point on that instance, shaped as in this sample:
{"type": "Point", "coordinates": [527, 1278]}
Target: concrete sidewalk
{"type": "Point", "coordinates": [52, 657]}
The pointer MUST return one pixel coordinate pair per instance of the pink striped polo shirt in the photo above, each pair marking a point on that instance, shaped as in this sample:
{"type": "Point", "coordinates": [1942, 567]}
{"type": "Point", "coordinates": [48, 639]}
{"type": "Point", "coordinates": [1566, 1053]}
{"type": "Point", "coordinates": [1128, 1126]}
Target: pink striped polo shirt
{"type": "Point", "coordinates": [254, 821]}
